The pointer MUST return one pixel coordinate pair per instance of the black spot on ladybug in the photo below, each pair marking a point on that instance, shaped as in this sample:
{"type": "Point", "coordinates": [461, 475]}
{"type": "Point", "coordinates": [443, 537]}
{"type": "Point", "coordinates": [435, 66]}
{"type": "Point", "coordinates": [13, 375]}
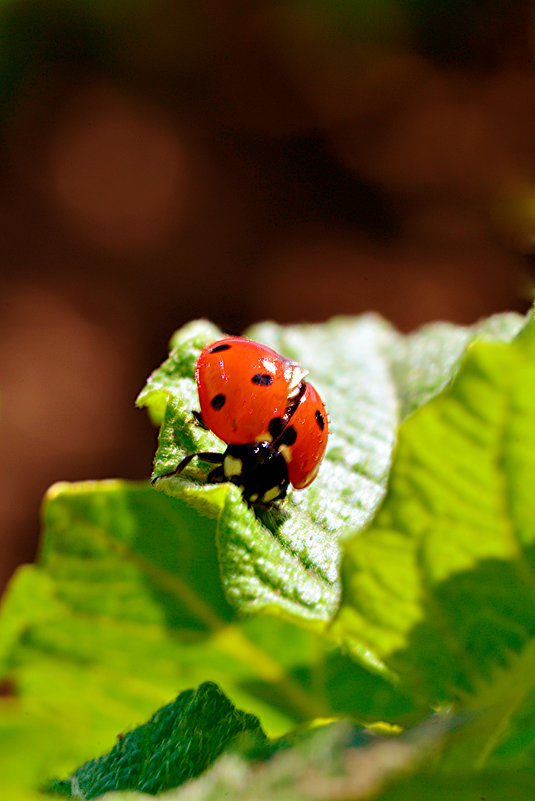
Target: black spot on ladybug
{"type": "Point", "coordinates": [289, 435]}
{"type": "Point", "coordinates": [262, 379]}
{"type": "Point", "coordinates": [275, 427]}
{"type": "Point", "coordinates": [219, 348]}
{"type": "Point", "coordinates": [319, 419]}
{"type": "Point", "coordinates": [218, 401]}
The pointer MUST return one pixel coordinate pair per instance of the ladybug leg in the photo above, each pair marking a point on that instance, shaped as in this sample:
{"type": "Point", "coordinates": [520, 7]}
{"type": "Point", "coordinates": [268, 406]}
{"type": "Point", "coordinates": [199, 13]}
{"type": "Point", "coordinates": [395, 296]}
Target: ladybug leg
{"type": "Point", "coordinates": [216, 476]}
{"type": "Point", "coordinates": [198, 419]}
{"type": "Point", "coordinates": [213, 458]}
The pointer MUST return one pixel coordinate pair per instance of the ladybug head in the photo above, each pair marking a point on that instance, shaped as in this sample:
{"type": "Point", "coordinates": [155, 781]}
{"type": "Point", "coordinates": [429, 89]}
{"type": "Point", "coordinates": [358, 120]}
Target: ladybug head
{"type": "Point", "coordinates": [259, 469]}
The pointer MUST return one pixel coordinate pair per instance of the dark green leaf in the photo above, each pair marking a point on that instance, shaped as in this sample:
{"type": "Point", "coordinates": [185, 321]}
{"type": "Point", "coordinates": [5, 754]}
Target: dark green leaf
{"type": "Point", "coordinates": [178, 743]}
{"type": "Point", "coordinates": [332, 763]}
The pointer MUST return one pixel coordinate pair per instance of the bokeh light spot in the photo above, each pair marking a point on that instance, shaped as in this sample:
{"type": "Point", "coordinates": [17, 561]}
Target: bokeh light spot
{"type": "Point", "coordinates": [117, 170]}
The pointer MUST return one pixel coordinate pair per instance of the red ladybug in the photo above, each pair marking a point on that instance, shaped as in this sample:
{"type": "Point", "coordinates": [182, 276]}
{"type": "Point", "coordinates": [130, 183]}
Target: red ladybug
{"type": "Point", "coordinates": [273, 421]}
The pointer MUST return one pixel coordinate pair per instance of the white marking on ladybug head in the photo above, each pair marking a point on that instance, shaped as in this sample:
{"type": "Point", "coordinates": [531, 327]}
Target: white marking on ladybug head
{"type": "Point", "coordinates": [271, 494]}
{"type": "Point", "coordinates": [232, 467]}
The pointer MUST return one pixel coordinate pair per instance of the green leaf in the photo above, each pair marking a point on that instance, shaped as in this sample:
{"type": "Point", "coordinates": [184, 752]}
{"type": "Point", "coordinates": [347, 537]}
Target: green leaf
{"type": "Point", "coordinates": [335, 761]}
{"type": "Point", "coordinates": [178, 743]}
{"type": "Point", "coordinates": [424, 362]}
{"type": "Point", "coordinates": [287, 562]}
{"type": "Point", "coordinates": [441, 587]}
{"type": "Point", "coordinates": [124, 610]}
{"type": "Point", "coordinates": [126, 607]}
{"type": "Point", "coordinates": [464, 786]}
{"type": "Point", "coordinates": [227, 777]}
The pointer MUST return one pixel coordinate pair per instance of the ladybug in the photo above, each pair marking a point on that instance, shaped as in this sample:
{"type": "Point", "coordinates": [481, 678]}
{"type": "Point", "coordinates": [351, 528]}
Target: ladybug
{"type": "Point", "coordinates": [273, 421]}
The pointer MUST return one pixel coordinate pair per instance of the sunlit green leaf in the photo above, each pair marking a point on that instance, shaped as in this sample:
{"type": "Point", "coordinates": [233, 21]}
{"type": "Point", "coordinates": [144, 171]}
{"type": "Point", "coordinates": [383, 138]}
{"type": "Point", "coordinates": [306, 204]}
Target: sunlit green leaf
{"type": "Point", "coordinates": [124, 610]}
{"type": "Point", "coordinates": [368, 374]}
{"type": "Point", "coordinates": [138, 596]}
{"type": "Point", "coordinates": [441, 586]}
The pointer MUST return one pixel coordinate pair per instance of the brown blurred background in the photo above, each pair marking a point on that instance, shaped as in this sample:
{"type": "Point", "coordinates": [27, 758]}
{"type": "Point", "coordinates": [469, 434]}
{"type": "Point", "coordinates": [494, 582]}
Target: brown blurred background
{"type": "Point", "coordinates": [162, 160]}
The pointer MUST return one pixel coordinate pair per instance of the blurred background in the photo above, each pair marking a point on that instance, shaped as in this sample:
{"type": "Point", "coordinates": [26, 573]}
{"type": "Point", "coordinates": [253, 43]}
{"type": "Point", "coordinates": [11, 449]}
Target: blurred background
{"type": "Point", "coordinates": [162, 160]}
